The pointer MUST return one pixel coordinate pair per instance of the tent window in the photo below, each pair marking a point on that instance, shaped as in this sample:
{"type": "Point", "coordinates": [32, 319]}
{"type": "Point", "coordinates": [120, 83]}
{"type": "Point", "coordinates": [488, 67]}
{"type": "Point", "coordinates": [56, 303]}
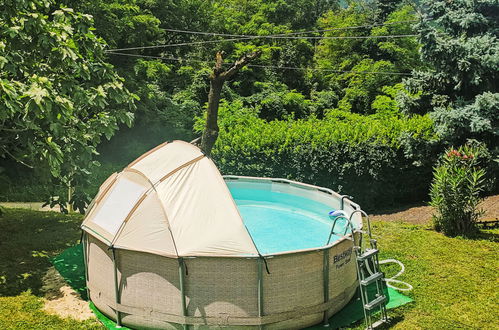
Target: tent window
{"type": "Point", "coordinates": [120, 201]}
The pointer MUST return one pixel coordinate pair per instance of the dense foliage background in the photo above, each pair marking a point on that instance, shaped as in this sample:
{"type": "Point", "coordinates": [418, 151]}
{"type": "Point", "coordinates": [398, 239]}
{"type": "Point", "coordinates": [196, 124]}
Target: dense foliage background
{"type": "Point", "coordinates": [344, 107]}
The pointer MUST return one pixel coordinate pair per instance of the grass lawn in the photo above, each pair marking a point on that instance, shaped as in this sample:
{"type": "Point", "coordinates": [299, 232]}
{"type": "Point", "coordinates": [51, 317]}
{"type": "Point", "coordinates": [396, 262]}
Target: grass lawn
{"type": "Point", "coordinates": [455, 280]}
{"type": "Point", "coordinates": [456, 283]}
{"type": "Point", "coordinates": [27, 240]}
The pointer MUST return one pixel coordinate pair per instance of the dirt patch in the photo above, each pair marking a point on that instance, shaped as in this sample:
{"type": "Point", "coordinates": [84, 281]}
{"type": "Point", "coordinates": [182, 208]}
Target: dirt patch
{"type": "Point", "coordinates": [61, 300]}
{"type": "Point", "coordinates": [69, 304]}
{"type": "Point", "coordinates": [52, 282]}
{"type": "Point", "coordinates": [35, 206]}
{"type": "Point", "coordinates": [491, 207]}
{"type": "Point", "coordinates": [421, 214]}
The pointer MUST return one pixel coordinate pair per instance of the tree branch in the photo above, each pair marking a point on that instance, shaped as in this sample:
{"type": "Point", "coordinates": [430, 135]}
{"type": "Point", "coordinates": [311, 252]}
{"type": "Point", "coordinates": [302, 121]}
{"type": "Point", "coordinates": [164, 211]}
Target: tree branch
{"type": "Point", "coordinates": [241, 62]}
{"type": "Point", "coordinates": [14, 130]}
{"type": "Point", "coordinates": [219, 61]}
{"type": "Point", "coordinates": [217, 79]}
{"type": "Point", "coordinates": [15, 158]}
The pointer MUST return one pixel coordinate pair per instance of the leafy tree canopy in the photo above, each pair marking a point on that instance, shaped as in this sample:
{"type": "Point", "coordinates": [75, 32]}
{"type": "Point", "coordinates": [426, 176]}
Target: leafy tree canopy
{"type": "Point", "coordinates": [59, 96]}
{"type": "Point", "coordinates": [459, 86]}
{"type": "Point", "coordinates": [372, 54]}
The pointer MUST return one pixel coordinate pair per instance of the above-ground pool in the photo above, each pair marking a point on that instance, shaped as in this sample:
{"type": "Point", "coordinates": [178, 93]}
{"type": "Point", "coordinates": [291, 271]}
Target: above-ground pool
{"type": "Point", "coordinates": [287, 277]}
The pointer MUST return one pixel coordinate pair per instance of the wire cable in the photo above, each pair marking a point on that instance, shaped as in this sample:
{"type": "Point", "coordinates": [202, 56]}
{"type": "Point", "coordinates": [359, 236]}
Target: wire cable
{"type": "Point", "coordinates": [337, 37]}
{"type": "Point", "coordinates": [262, 66]}
{"type": "Point", "coordinates": [238, 37]}
{"type": "Point", "coordinates": [258, 37]}
{"type": "Point", "coordinates": [327, 70]}
{"type": "Point", "coordinates": [289, 33]}
{"type": "Point", "coordinates": [159, 57]}
{"type": "Point", "coordinates": [176, 45]}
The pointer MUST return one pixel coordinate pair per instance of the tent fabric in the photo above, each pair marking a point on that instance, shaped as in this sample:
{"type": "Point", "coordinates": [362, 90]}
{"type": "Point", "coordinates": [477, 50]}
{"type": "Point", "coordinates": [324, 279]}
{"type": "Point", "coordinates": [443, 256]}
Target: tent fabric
{"type": "Point", "coordinates": [120, 200]}
{"type": "Point", "coordinates": [166, 159]}
{"type": "Point", "coordinates": [159, 239]}
{"type": "Point", "coordinates": [202, 214]}
{"type": "Point", "coordinates": [171, 201]}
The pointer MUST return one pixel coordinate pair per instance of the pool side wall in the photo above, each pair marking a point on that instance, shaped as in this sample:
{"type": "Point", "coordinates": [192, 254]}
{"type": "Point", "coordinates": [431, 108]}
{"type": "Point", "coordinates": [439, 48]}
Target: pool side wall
{"type": "Point", "coordinates": [220, 291]}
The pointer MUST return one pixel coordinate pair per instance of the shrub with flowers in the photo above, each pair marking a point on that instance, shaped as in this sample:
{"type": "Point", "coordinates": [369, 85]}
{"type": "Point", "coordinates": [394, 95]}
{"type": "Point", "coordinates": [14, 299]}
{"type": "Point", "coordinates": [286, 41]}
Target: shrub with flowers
{"type": "Point", "coordinates": [455, 192]}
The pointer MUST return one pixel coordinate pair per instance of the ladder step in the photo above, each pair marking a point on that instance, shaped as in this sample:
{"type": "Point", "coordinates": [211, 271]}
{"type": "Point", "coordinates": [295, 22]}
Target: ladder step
{"type": "Point", "coordinates": [375, 303]}
{"type": "Point", "coordinates": [378, 323]}
{"type": "Point", "coordinates": [371, 279]}
{"type": "Point", "coordinates": [367, 254]}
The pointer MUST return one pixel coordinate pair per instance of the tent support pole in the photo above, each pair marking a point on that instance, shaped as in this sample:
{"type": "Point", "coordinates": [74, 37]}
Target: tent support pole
{"type": "Point", "coordinates": [84, 243]}
{"type": "Point", "coordinates": [181, 275]}
{"type": "Point", "coordinates": [260, 288]}
{"type": "Point", "coordinates": [116, 289]}
{"type": "Point", "coordinates": [325, 268]}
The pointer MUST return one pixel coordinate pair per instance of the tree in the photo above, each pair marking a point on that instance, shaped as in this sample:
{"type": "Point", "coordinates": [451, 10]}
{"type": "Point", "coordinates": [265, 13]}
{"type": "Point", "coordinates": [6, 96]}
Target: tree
{"type": "Point", "coordinates": [368, 61]}
{"type": "Point", "coordinates": [58, 94]}
{"type": "Point", "coordinates": [217, 80]}
{"type": "Point", "coordinates": [459, 87]}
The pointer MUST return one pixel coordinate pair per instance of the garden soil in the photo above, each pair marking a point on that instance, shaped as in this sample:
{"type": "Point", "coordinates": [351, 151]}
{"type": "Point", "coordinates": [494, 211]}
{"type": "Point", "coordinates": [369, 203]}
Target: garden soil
{"type": "Point", "coordinates": [421, 214]}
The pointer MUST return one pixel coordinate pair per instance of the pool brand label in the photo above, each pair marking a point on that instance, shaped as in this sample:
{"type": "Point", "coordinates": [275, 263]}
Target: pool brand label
{"type": "Point", "coordinates": [341, 259]}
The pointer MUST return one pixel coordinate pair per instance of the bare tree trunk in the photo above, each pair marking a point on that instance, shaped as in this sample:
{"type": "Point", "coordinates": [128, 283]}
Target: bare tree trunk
{"type": "Point", "coordinates": [210, 133]}
{"type": "Point", "coordinates": [217, 80]}
{"type": "Point", "coordinates": [70, 197]}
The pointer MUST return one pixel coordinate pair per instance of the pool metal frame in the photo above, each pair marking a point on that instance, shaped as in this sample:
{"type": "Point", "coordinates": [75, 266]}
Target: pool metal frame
{"type": "Point", "coordinates": [124, 307]}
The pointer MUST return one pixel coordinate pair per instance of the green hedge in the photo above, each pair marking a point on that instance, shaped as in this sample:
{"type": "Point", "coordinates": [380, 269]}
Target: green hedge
{"type": "Point", "coordinates": [381, 160]}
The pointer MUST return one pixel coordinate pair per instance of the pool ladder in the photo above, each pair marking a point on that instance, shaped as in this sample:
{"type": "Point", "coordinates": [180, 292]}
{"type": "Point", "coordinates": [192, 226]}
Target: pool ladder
{"type": "Point", "coordinates": [367, 258]}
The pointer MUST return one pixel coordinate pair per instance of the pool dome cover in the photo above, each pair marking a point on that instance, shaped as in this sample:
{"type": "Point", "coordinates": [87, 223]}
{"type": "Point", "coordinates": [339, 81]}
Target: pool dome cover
{"type": "Point", "coordinates": [171, 201]}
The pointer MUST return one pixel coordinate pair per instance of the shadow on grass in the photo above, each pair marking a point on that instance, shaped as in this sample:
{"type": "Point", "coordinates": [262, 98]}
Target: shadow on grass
{"type": "Point", "coordinates": [392, 321]}
{"type": "Point", "coordinates": [478, 234]}
{"type": "Point", "coordinates": [491, 235]}
{"type": "Point", "coordinates": [72, 268]}
{"type": "Point", "coordinates": [28, 240]}
{"type": "Point", "coordinates": [361, 324]}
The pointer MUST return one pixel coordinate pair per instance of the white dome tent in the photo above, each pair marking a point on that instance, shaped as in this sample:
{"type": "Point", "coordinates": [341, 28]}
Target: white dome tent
{"type": "Point", "coordinates": [172, 201]}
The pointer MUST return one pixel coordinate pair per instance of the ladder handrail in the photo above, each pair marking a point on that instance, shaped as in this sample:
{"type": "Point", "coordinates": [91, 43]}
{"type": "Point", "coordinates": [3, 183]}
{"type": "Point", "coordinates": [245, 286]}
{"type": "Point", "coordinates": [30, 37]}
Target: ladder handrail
{"type": "Point", "coordinates": [349, 224]}
{"type": "Point", "coordinates": [332, 227]}
{"type": "Point", "coordinates": [362, 212]}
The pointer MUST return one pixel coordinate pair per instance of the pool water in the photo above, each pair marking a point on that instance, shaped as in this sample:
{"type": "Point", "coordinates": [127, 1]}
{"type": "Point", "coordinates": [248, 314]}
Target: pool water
{"type": "Point", "coordinates": [281, 222]}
